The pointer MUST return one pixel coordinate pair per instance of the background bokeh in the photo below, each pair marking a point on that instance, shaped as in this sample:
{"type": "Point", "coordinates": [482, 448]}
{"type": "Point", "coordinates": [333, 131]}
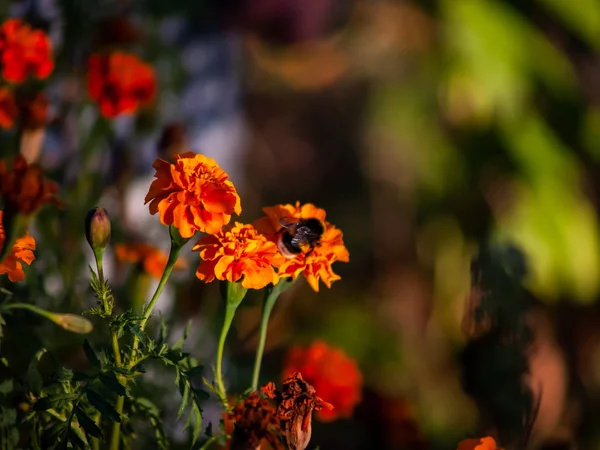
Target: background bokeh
{"type": "Point", "coordinates": [423, 128]}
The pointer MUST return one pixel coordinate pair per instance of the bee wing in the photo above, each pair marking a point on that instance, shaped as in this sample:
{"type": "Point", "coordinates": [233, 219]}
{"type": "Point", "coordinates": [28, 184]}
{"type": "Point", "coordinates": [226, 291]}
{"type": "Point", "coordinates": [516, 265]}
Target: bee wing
{"type": "Point", "coordinates": [288, 222]}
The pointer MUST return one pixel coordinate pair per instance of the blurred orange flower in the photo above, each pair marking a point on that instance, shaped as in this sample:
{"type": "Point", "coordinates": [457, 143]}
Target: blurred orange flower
{"type": "Point", "coordinates": [24, 52]}
{"type": "Point", "coordinates": [22, 252]}
{"type": "Point", "coordinates": [8, 108]}
{"type": "Point", "coordinates": [236, 252]}
{"type": "Point", "coordinates": [24, 187]}
{"type": "Point", "coordinates": [316, 265]}
{"type": "Point", "coordinates": [34, 111]}
{"type": "Point", "coordinates": [152, 259]}
{"type": "Point", "coordinates": [120, 82]}
{"type": "Point", "coordinates": [194, 194]}
{"type": "Point", "coordinates": [332, 373]}
{"type": "Point", "coordinates": [486, 443]}
{"type": "Point", "coordinates": [295, 404]}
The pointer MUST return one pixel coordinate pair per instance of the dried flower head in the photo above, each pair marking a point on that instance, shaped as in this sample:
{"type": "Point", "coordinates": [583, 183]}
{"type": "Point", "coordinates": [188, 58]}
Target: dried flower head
{"type": "Point", "coordinates": [295, 404]}
{"type": "Point", "coordinates": [254, 420]}
{"type": "Point", "coordinates": [238, 252]}
{"type": "Point", "coordinates": [194, 194]}
{"type": "Point", "coordinates": [152, 259]}
{"type": "Point", "coordinates": [22, 252]}
{"type": "Point", "coordinates": [24, 187]}
{"type": "Point", "coordinates": [24, 52]}
{"type": "Point", "coordinates": [331, 372]}
{"type": "Point", "coordinates": [314, 265]}
{"type": "Point", "coordinates": [8, 108]}
{"type": "Point", "coordinates": [485, 443]}
{"type": "Point", "coordinates": [120, 82]}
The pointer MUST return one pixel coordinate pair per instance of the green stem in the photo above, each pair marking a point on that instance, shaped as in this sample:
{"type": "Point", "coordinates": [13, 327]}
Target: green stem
{"type": "Point", "coordinates": [234, 294]}
{"type": "Point", "coordinates": [271, 295]}
{"type": "Point", "coordinates": [229, 314]}
{"type": "Point", "coordinates": [147, 311]}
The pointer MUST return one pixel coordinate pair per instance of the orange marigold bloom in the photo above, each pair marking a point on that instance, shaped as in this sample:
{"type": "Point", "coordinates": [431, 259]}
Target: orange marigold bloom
{"type": "Point", "coordinates": [295, 405]}
{"type": "Point", "coordinates": [22, 252]}
{"type": "Point", "coordinates": [24, 188]}
{"type": "Point", "coordinates": [194, 194]}
{"type": "Point", "coordinates": [486, 443]}
{"type": "Point", "coordinates": [8, 108]}
{"type": "Point", "coordinates": [151, 258]}
{"type": "Point", "coordinates": [314, 265]}
{"type": "Point", "coordinates": [120, 82]}
{"type": "Point", "coordinates": [332, 373]}
{"type": "Point", "coordinates": [236, 252]}
{"type": "Point", "coordinates": [24, 52]}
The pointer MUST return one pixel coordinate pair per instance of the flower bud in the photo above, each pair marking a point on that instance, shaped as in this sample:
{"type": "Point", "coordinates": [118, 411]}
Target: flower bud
{"type": "Point", "coordinates": [72, 322]}
{"type": "Point", "coordinates": [97, 229]}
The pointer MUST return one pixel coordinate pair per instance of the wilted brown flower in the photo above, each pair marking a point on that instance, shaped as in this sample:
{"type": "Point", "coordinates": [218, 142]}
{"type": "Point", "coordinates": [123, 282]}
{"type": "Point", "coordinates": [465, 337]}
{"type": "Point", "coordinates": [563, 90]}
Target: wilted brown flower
{"type": "Point", "coordinates": [295, 405]}
{"type": "Point", "coordinates": [254, 420]}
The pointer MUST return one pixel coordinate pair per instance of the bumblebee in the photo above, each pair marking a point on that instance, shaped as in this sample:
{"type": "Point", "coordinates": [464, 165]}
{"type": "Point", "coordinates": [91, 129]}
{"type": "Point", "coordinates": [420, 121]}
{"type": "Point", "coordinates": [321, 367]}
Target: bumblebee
{"type": "Point", "coordinates": [300, 236]}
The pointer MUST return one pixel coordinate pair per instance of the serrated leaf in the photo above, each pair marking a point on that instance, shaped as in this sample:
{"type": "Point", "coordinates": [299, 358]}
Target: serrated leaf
{"type": "Point", "coordinates": [195, 372]}
{"type": "Point", "coordinates": [179, 344]}
{"type": "Point", "coordinates": [162, 336]}
{"type": "Point", "coordinates": [105, 408]}
{"type": "Point", "coordinates": [63, 374]}
{"type": "Point", "coordinates": [110, 380]}
{"type": "Point", "coordinates": [201, 395]}
{"type": "Point", "coordinates": [197, 425]}
{"type": "Point", "coordinates": [91, 354]}
{"type": "Point", "coordinates": [184, 389]}
{"type": "Point", "coordinates": [87, 424]}
{"type": "Point", "coordinates": [6, 387]}
{"type": "Point", "coordinates": [43, 404]}
{"type": "Point", "coordinates": [33, 378]}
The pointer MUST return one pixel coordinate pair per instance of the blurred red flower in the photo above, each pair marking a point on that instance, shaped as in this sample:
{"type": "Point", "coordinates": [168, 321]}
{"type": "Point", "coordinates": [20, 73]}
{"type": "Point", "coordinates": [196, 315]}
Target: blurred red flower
{"type": "Point", "coordinates": [486, 443]}
{"type": "Point", "coordinates": [334, 375]}
{"type": "Point", "coordinates": [24, 51]}
{"type": "Point", "coordinates": [120, 82]}
{"type": "Point", "coordinates": [8, 108]}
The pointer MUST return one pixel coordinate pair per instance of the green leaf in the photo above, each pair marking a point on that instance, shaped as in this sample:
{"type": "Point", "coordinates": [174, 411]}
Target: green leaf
{"type": "Point", "coordinates": [109, 379]}
{"type": "Point", "coordinates": [195, 372]}
{"type": "Point", "coordinates": [6, 387]}
{"type": "Point", "coordinates": [90, 354]}
{"type": "Point", "coordinates": [184, 388]}
{"type": "Point", "coordinates": [105, 408]}
{"type": "Point", "coordinates": [201, 394]}
{"type": "Point", "coordinates": [88, 425]}
{"type": "Point", "coordinates": [43, 404]}
{"type": "Point", "coordinates": [33, 378]}
{"type": "Point", "coordinates": [179, 344]}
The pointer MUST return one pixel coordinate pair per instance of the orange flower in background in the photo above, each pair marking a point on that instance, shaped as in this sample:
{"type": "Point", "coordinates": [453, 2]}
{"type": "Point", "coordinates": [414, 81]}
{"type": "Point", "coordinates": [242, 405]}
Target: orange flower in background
{"type": "Point", "coordinates": [486, 443]}
{"type": "Point", "coordinates": [151, 258]}
{"type": "Point", "coordinates": [120, 82]}
{"type": "Point", "coordinates": [8, 108]}
{"type": "Point", "coordinates": [24, 187]}
{"type": "Point", "coordinates": [295, 404]}
{"type": "Point", "coordinates": [236, 252]}
{"type": "Point", "coordinates": [194, 194]}
{"type": "Point", "coordinates": [332, 373]}
{"type": "Point", "coordinates": [22, 252]}
{"type": "Point", "coordinates": [314, 265]}
{"type": "Point", "coordinates": [24, 52]}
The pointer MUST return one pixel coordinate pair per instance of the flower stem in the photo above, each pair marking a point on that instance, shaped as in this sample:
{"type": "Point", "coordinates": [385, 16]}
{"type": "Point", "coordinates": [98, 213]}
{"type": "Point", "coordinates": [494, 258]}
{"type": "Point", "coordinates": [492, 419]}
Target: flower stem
{"type": "Point", "coordinates": [271, 295]}
{"type": "Point", "coordinates": [234, 295]}
{"type": "Point", "coordinates": [147, 311]}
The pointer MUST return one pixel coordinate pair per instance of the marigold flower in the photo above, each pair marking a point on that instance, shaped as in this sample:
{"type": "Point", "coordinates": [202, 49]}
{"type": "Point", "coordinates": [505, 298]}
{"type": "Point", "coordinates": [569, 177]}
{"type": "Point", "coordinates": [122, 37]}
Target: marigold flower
{"type": "Point", "coordinates": [486, 443]}
{"type": "Point", "coordinates": [254, 420]}
{"type": "Point", "coordinates": [194, 194]}
{"type": "Point", "coordinates": [314, 265]}
{"type": "Point", "coordinates": [24, 52]}
{"type": "Point", "coordinates": [295, 404]}
{"type": "Point", "coordinates": [332, 373]}
{"type": "Point", "coordinates": [8, 108]}
{"type": "Point", "coordinates": [236, 252]}
{"type": "Point", "coordinates": [151, 258]}
{"type": "Point", "coordinates": [120, 82]}
{"type": "Point", "coordinates": [24, 188]}
{"type": "Point", "coordinates": [22, 252]}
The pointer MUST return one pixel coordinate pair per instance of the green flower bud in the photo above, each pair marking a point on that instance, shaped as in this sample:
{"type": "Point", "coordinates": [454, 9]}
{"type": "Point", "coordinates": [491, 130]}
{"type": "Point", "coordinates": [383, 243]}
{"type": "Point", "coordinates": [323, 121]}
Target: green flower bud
{"type": "Point", "coordinates": [97, 229]}
{"type": "Point", "coordinates": [72, 322]}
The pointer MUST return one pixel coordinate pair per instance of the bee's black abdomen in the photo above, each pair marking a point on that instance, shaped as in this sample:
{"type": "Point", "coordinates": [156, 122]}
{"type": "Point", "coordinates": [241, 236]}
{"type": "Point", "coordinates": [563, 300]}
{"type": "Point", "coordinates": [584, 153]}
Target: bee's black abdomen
{"type": "Point", "coordinates": [286, 245]}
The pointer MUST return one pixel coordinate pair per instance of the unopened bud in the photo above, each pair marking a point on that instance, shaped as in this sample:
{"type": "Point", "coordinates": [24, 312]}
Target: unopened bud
{"type": "Point", "coordinates": [72, 322]}
{"type": "Point", "coordinates": [97, 229]}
